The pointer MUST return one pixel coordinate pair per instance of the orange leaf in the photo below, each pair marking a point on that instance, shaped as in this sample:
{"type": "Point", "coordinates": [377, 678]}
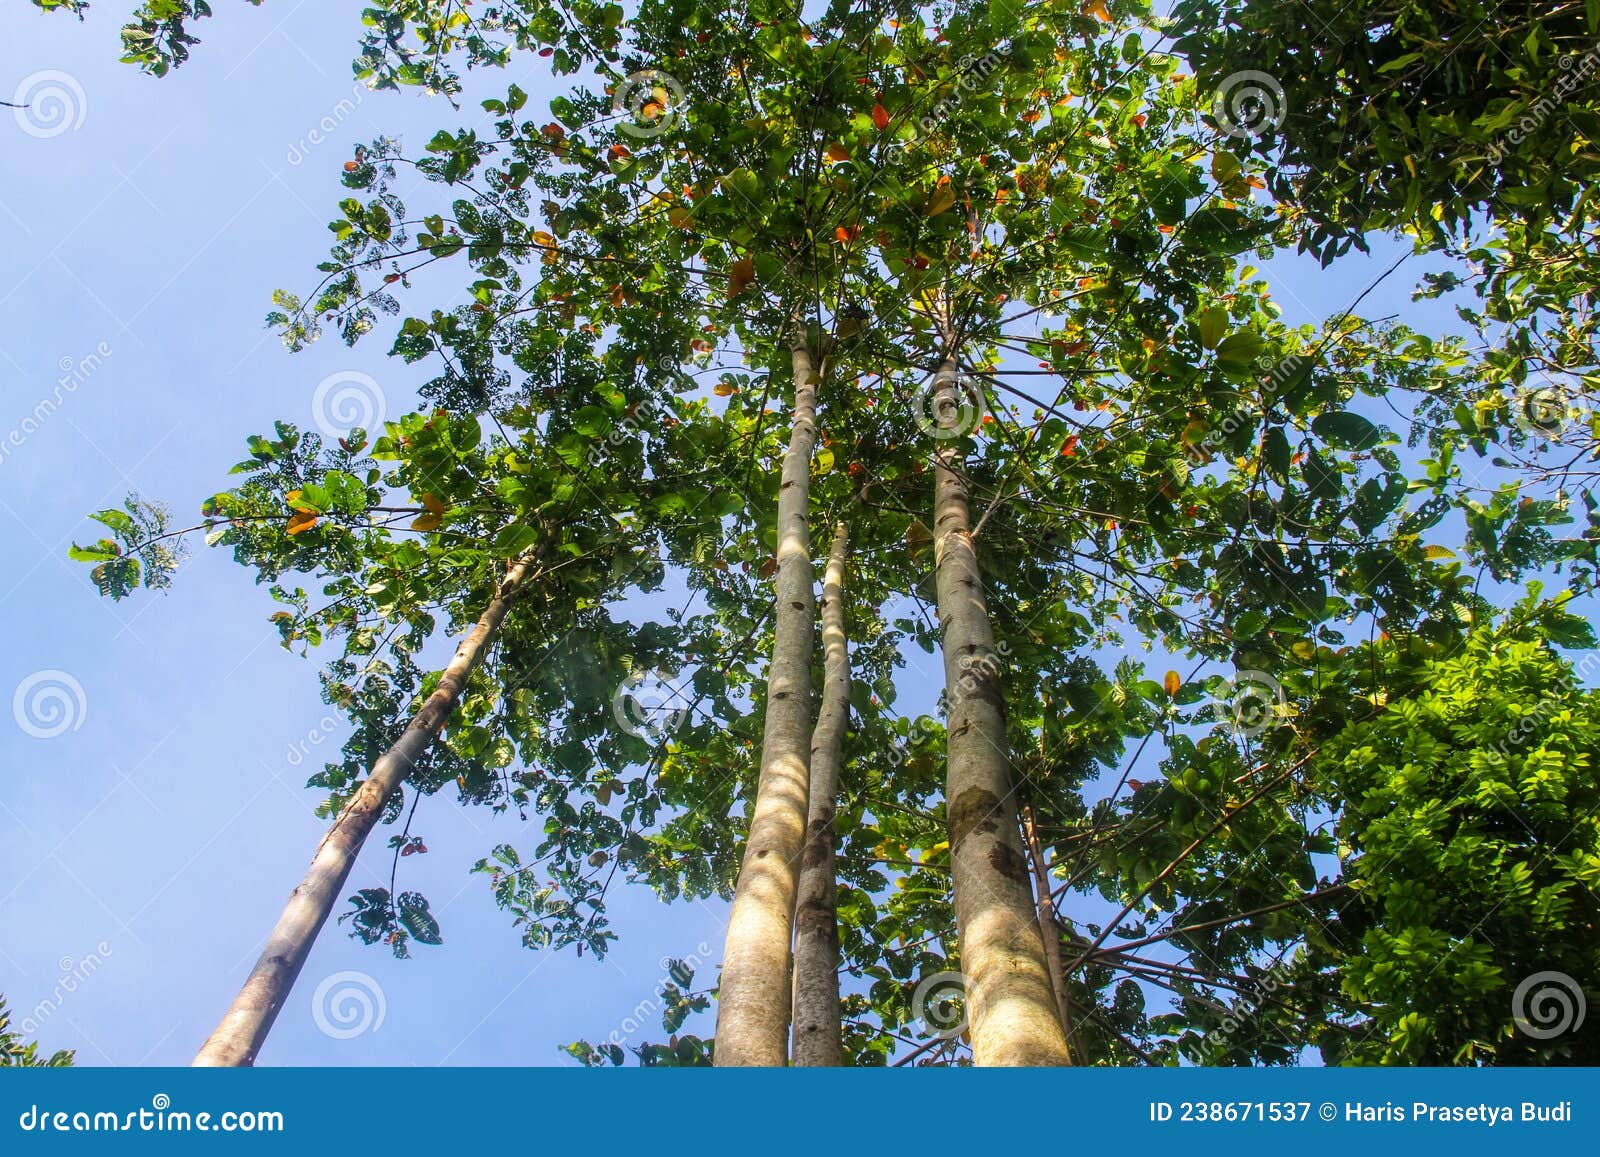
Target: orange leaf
{"type": "Point", "coordinates": [1097, 9]}
{"type": "Point", "coordinates": [680, 218]}
{"type": "Point", "coordinates": [434, 504]}
{"type": "Point", "coordinates": [837, 152]}
{"type": "Point", "coordinates": [427, 522]}
{"type": "Point", "coordinates": [880, 117]}
{"type": "Point", "coordinates": [940, 200]}
{"type": "Point", "coordinates": [1172, 683]}
{"type": "Point", "coordinates": [301, 520]}
{"type": "Point", "coordinates": [740, 274]}
{"type": "Point", "coordinates": [723, 389]}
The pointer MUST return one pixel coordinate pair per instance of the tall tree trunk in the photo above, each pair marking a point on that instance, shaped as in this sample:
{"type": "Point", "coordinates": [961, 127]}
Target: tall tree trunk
{"type": "Point", "coordinates": [817, 1029]}
{"type": "Point", "coordinates": [1048, 928]}
{"type": "Point", "coordinates": [753, 1003]}
{"type": "Point", "coordinates": [238, 1038]}
{"type": "Point", "coordinates": [1010, 1002]}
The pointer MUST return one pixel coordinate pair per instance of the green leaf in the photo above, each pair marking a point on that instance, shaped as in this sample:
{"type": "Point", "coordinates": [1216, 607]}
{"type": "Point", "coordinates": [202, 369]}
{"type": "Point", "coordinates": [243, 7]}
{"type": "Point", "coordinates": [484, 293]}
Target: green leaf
{"type": "Point", "coordinates": [1239, 350]}
{"type": "Point", "coordinates": [1346, 430]}
{"type": "Point", "coordinates": [1212, 324]}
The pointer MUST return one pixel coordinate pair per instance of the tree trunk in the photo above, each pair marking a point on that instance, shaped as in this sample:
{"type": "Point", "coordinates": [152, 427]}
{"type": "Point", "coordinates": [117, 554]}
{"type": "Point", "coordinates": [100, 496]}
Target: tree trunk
{"type": "Point", "coordinates": [817, 1029]}
{"type": "Point", "coordinates": [1010, 1002]}
{"type": "Point", "coordinates": [238, 1038]}
{"type": "Point", "coordinates": [753, 1012]}
{"type": "Point", "coordinates": [1048, 928]}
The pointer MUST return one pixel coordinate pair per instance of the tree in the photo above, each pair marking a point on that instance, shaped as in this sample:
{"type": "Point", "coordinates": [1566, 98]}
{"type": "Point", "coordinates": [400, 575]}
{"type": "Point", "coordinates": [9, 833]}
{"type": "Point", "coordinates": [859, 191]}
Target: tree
{"type": "Point", "coordinates": [1470, 129]}
{"type": "Point", "coordinates": [1467, 814]}
{"type": "Point", "coordinates": [817, 1015]}
{"type": "Point", "coordinates": [905, 238]}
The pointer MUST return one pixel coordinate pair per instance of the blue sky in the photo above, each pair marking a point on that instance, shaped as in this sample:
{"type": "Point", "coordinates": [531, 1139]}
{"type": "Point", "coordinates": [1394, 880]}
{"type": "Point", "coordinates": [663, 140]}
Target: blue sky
{"type": "Point", "coordinates": [147, 848]}
{"type": "Point", "coordinates": [169, 821]}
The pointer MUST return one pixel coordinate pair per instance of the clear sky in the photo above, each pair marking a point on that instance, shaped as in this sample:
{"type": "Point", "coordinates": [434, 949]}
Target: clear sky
{"type": "Point", "coordinates": [145, 851]}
